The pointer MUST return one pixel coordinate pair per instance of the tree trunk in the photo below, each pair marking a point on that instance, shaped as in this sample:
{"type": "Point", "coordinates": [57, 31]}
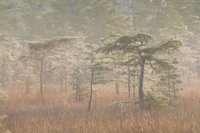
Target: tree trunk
{"type": "Point", "coordinates": [168, 75]}
{"type": "Point", "coordinates": [27, 86]}
{"type": "Point", "coordinates": [116, 80]}
{"type": "Point", "coordinates": [169, 82]}
{"type": "Point", "coordinates": [70, 12]}
{"type": "Point", "coordinates": [91, 90]}
{"type": "Point", "coordinates": [134, 86]}
{"type": "Point", "coordinates": [129, 82]}
{"type": "Point", "coordinates": [70, 8]}
{"type": "Point", "coordinates": [141, 78]}
{"type": "Point", "coordinates": [3, 75]}
{"type": "Point", "coordinates": [66, 81]}
{"type": "Point", "coordinates": [117, 87]}
{"type": "Point", "coordinates": [133, 21]}
{"type": "Point", "coordinates": [78, 89]}
{"type": "Point", "coordinates": [41, 77]}
{"type": "Point", "coordinates": [91, 82]}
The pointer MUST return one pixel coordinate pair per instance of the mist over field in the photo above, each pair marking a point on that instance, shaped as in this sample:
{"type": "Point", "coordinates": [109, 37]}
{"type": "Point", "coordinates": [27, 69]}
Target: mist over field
{"type": "Point", "coordinates": [99, 66]}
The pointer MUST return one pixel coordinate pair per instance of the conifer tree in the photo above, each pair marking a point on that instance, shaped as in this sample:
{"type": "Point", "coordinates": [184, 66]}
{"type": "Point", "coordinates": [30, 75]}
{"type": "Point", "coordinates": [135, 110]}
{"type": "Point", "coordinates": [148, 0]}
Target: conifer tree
{"type": "Point", "coordinates": [27, 79]}
{"type": "Point", "coordinates": [96, 68]}
{"type": "Point", "coordinates": [170, 76]}
{"type": "Point", "coordinates": [3, 98]}
{"type": "Point", "coordinates": [79, 85]}
{"type": "Point", "coordinates": [10, 50]}
{"type": "Point", "coordinates": [145, 52]}
{"type": "Point", "coordinates": [40, 50]}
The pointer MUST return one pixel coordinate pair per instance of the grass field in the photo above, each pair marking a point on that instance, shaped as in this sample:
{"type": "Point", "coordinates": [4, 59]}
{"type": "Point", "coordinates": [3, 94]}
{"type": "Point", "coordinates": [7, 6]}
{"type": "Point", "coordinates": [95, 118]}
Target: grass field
{"type": "Point", "coordinates": [59, 114]}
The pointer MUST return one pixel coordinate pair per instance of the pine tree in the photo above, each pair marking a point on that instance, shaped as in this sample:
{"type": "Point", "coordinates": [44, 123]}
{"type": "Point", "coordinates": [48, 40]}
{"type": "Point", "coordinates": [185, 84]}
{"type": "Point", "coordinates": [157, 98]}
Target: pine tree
{"type": "Point", "coordinates": [79, 86]}
{"type": "Point", "coordinates": [9, 49]}
{"type": "Point", "coordinates": [3, 98]}
{"type": "Point", "coordinates": [121, 67]}
{"type": "Point", "coordinates": [96, 68]}
{"type": "Point", "coordinates": [40, 50]}
{"type": "Point", "coordinates": [27, 79]}
{"type": "Point", "coordinates": [139, 46]}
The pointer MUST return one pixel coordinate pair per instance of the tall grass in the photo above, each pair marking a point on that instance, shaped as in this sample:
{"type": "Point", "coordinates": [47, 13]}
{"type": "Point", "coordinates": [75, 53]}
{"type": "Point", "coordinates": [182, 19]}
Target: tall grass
{"type": "Point", "coordinates": [60, 114]}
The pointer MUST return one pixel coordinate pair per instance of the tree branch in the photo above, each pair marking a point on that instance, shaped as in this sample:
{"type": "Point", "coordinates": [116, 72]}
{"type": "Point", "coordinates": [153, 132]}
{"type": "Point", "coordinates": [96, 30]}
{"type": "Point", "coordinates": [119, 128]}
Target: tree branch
{"type": "Point", "coordinates": [155, 69]}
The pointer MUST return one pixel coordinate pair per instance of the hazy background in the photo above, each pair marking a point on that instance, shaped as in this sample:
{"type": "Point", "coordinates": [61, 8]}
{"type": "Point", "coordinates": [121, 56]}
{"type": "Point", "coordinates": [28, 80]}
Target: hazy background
{"type": "Point", "coordinates": [63, 70]}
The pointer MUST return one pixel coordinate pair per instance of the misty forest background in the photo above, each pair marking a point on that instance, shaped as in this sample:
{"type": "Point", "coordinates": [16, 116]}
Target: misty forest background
{"type": "Point", "coordinates": [146, 50]}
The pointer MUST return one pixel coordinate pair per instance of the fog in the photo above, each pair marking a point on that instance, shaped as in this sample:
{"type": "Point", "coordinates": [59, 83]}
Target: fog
{"type": "Point", "coordinates": [99, 66]}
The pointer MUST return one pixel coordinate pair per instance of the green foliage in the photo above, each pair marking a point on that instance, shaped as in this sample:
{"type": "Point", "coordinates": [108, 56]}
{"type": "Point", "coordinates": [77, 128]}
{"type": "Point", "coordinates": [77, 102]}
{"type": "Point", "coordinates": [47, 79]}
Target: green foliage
{"type": "Point", "coordinates": [95, 64]}
{"type": "Point", "coordinates": [155, 98]}
{"type": "Point", "coordinates": [27, 79]}
{"type": "Point", "coordinates": [3, 98]}
{"type": "Point", "coordinates": [138, 47]}
{"type": "Point", "coordinates": [118, 57]}
{"type": "Point", "coordinates": [32, 19]}
{"type": "Point", "coordinates": [40, 49]}
{"type": "Point", "coordinates": [10, 50]}
{"type": "Point", "coordinates": [79, 86]}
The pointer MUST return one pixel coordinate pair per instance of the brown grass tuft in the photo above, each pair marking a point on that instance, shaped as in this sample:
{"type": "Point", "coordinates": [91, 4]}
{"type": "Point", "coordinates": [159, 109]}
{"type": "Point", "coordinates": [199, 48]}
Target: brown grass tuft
{"type": "Point", "coordinates": [60, 114]}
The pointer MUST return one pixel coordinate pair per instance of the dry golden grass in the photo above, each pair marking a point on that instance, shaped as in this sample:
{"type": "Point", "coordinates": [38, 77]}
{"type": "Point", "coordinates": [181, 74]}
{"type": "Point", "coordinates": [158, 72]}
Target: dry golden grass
{"type": "Point", "coordinates": [59, 114]}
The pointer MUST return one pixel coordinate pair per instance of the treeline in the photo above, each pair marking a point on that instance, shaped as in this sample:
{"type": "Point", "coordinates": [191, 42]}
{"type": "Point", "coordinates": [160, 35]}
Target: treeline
{"type": "Point", "coordinates": [83, 43]}
{"type": "Point", "coordinates": [72, 61]}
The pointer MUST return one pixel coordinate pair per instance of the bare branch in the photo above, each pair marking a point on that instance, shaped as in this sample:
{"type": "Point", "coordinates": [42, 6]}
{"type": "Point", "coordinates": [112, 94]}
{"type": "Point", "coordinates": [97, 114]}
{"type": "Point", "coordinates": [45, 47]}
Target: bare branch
{"type": "Point", "coordinates": [155, 69]}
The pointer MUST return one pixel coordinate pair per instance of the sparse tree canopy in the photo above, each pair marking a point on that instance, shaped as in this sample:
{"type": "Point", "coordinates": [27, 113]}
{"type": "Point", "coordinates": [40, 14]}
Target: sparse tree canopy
{"type": "Point", "coordinates": [140, 45]}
